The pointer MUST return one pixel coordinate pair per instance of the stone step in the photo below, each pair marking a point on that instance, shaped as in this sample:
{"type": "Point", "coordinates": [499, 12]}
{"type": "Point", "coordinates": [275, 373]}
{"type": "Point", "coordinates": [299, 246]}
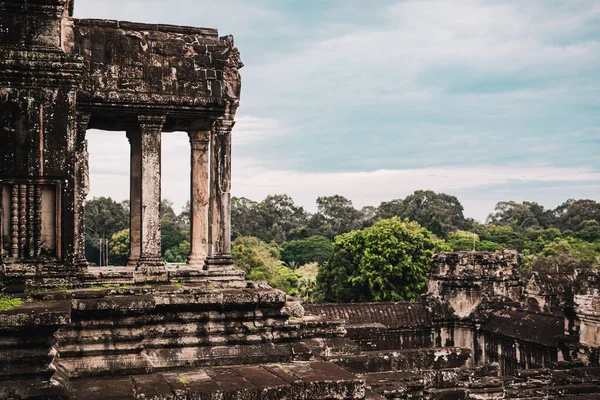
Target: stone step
{"type": "Point", "coordinates": [153, 360]}
{"type": "Point", "coordinates": [292, 381]}
{"type": "Point", "coordinates": [176, 273]}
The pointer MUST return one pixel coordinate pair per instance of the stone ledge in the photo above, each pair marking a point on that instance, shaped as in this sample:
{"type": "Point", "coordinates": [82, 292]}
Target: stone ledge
{"type": "Point", "coordinates": [36, 315]}
{"type": "Point", "coordinates": [154, 296]}
{"type": "Point", "coordinates": [293, 381]}
{"type": "Point", "coordinates": [405, 360]}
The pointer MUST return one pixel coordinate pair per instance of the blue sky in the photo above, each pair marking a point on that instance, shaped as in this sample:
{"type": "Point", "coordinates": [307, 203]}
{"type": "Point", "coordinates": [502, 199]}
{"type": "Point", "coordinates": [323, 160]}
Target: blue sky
{"type": "Point", "coordinates": [486, 100]}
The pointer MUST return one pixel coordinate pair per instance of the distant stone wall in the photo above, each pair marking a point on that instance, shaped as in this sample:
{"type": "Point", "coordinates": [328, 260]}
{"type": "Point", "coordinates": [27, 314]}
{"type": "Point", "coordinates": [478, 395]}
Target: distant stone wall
{"type": "Point", "coordinates": [382, 326]}
{"type": "Point", "coordinates": [466, 280]}
{"type": "Point", "coordinates": [482, 302]}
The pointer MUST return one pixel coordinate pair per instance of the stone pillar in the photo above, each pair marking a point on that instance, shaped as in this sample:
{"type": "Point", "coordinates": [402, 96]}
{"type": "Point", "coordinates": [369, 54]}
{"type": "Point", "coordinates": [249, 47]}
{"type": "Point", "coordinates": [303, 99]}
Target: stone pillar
{"type": "Point", "coordinates": [199, 142]}
{"type": "Point", "coordinates": [135, 196]}
{"type": "Point", "coordinates": [81, 188]}
{"type": "Point", "coordinates": [151, 129]}
{"type": "Point", "coordinates": [219, 211]}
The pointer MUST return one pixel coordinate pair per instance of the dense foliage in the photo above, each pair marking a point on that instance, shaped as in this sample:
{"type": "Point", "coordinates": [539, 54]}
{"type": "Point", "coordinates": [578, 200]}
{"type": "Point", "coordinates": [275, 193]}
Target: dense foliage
{"type": "Point", "coordinates": [280, 242]}
{"type": "Point", "coordinates": [313, 249]}
{"type": "Point", "coordinates": [388, 261]}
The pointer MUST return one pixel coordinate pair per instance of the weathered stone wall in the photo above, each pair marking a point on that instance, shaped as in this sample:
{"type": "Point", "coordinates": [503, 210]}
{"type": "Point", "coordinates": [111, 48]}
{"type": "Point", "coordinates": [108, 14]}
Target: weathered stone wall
{"type": "Point", "coordinates": [150, 64]}
{"type": "Point", "coordinates": [60, 76]}
{"type": "Point", "coordinates": [382, 326]}
{"type": "Point", "coordinates": [465, 280]}
{"type": "Point", "coordinates": [549, 292]}
{"type": "Point", "coordinates": [586, 324]}
{"type": "Point", "coordinates": [38, 86]}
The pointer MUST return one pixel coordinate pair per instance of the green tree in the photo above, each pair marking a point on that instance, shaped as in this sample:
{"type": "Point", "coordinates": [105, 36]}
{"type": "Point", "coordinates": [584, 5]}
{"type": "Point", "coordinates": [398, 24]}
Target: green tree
{"type": "Point", "coordinates": [250, 253]}
{"type": "Point", "coordinates": [504, 235]}
{"type": "Point", "coordinates": [179, 253]}
{"type": "Point", "coordinates": [103, 218]}
{"type": "Point", "coordinates": [573, 214]}
{"type": "Point", "coordinates": [307, 283]}
{"type": "Point", "coordinates": [119, 247]}
{"type": "Point", "coordinates": [521, 216]}
{"type": "Point", "coordinates": [388, 261]}
{"type": "Point", "coordinates": [469, 241]}
{"type": "Point", "coordinates": [280, 217]}
{"type": "Point", "coordinates": [313, 249]}
{"type": "Point", "coordinates": [273, 219]}
{"type": "Point", "coordinates": [590, 231]}
{"type": "Point", "coordinates": [174, 232]}
{"type": "Point", "coordinates": [261, 262]}
{"type": "Point", "coordinates": [564, 255]}
{"type": "Point", "coordinates": [245, 220]}
{"type": "Point", "coordinates": [337, 213]}
{"type": "Point", "coordinates": [439, 212]}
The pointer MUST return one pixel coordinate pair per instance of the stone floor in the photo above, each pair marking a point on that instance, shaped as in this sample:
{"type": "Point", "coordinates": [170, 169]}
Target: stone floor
{"type": "Point", "coordinates": [291, 381]}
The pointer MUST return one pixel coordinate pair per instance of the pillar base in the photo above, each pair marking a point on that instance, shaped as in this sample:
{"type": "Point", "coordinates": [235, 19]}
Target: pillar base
{"type": "Point", "coordinates": [150, 273]}
{"type": "Point", "coordinates": [150, 262]}
{"type": "Point", "coordinates": [219, 263]}
{"type": "Point", "coordinates": [197, 261]}
{"type": "Point", "coordinates": [133, 262]}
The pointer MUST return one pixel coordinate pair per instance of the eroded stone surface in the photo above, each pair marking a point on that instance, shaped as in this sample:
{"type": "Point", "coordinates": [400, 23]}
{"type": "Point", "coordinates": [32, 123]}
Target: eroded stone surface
{"type": "Point", "coordinates": [60, 76]}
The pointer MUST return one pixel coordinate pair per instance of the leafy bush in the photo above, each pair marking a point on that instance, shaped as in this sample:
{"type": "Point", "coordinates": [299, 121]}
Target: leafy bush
{"type": "Point", "coordinates": [261, 262]}
{"type": "Point", "coordinates": [388, 261]}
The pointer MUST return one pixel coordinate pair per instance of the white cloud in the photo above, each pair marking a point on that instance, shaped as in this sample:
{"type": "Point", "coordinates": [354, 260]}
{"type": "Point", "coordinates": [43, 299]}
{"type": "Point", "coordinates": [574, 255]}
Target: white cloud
{"type": "Point", "coordinates": [370, 188]}
{"type": "Point", "coordinates": [229, 16]}
{"type": "Point", "coordinates": [109, 162]}
{"type": "Point", "coordinates": [374, 62]}
{"type": "Point", "coordinates": [250, 129]}
{"type": "Point", "coordinates": [333, 67]}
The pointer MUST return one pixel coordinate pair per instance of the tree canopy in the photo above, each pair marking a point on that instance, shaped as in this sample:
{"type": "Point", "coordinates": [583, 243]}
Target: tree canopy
{"type": "Point", "coordinates": [278, 241]}
{"type": "Point", "coordinates": [388, 261]}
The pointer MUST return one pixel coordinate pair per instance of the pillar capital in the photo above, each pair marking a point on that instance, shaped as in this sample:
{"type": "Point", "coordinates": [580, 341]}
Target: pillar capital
{"type": "Point", "coordinates": [83, 120]}
{"type": "Point", "coordinates": [199, 139]}
{"type": "Point", "coordinates": [151, 123]}
{"type": "Point", "coordinates": [133, 136]}
{"type": "Point", "coordinates": [223, 126]}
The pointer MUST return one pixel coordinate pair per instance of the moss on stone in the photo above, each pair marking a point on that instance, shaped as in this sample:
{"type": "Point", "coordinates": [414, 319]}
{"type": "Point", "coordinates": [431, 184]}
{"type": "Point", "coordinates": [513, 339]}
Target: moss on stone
{"type": "Point", "coordinates": [6, 303]}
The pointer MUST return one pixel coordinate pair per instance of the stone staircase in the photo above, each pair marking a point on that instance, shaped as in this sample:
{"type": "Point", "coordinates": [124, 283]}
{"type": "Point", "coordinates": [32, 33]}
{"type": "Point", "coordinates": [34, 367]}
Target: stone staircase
{"type": "Point", "coordinates": [123, 340]}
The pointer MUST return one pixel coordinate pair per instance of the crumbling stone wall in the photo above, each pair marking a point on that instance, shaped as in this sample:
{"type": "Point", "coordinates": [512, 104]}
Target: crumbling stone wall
{"type": "Point", "coordinates": [586, 327]}
{"type": "Point", "coordinates": [465, 280]}
{"type": "Point", "coordinates": [60, 76]}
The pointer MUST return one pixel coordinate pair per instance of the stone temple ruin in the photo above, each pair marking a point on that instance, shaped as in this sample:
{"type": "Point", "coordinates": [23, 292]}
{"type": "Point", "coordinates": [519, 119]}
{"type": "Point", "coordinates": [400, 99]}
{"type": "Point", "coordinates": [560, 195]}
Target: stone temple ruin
{"type": "Point", "coordinates": [148, 331]}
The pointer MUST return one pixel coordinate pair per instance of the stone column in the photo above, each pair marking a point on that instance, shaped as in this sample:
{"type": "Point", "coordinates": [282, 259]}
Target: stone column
{"type": "Point", "coordinates": [219, 211]}
{"type": "Point", "coordinates": [199, 142]}
{"type": "Point", "coordinates": [135, 196]}
{"type": "Point", "coordinates": [81, 188]}
{"type": "Point", "coordinates": [151, 129]}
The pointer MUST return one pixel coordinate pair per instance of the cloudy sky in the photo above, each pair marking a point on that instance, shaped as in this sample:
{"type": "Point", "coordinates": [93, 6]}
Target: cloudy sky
{"type": "Point", "coordinates": [487, 100]}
